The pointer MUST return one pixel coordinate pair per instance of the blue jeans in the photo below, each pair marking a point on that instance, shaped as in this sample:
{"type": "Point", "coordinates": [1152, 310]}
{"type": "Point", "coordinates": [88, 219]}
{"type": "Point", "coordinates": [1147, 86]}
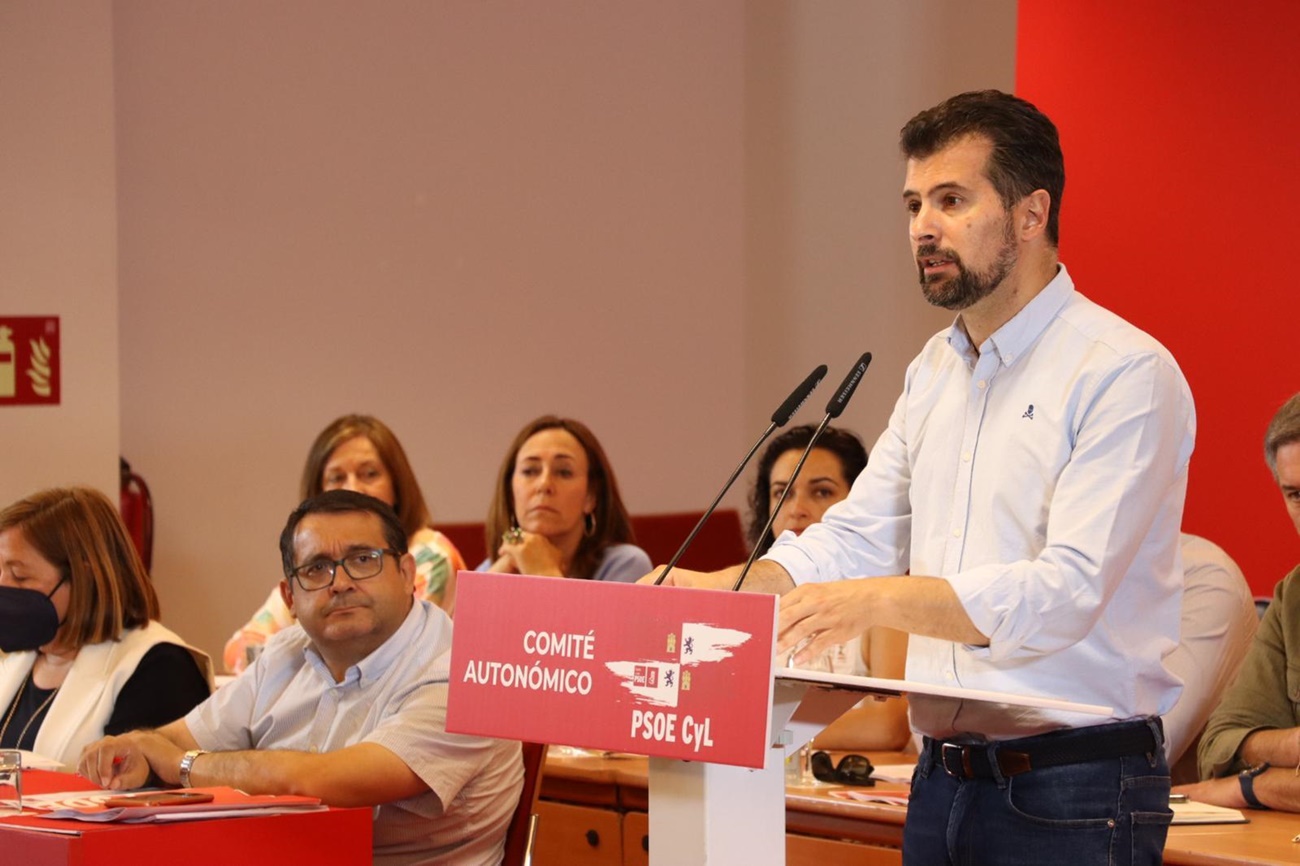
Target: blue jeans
{"type": "Point", "coordinates": [1113, 811]}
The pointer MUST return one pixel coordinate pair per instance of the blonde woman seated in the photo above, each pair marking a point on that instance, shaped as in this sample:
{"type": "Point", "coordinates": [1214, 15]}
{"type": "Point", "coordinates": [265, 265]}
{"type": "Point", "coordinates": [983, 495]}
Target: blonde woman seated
{"type": "Point", "coordinates": [84, 653]}
{"type": "Point", "coordinates": [825, 479]}
{"type": "Point", "coordinates": [361, 454]}
{"type": "Point", "coordinates": [557, 511]}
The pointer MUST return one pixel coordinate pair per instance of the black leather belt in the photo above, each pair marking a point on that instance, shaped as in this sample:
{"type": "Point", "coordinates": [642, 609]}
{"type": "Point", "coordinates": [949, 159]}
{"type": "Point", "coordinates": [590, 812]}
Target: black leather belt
{"type": "Point", "coordinates": [1013, 757]}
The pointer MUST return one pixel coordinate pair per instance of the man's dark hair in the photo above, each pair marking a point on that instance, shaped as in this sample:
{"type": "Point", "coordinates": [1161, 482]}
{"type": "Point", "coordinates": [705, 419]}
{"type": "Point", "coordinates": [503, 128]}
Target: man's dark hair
{"type": "Point", "coordinates": [1284, 429]}
{"type": "Point", "coordinates": [339, 502]}
{"type": "Point", "coordinates": [1026, 149]}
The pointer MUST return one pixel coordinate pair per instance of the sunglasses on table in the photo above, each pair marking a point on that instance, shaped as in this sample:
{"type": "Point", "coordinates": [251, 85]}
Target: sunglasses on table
{"type": "Point", "coordinates": [851, 770]}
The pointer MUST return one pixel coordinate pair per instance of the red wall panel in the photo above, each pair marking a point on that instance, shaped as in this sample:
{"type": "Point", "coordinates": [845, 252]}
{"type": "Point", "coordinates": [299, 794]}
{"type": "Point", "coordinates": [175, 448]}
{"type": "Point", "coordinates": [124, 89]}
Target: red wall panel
{"type": "Point", "coordinates": [1181, 134]}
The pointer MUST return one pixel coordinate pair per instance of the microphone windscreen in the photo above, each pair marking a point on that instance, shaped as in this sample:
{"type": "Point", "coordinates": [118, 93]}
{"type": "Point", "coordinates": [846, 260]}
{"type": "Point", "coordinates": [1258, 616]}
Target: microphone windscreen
{"type": "Point", "coordinates": [840, 398]}
{"type": "Point", "coordinates": [786, 410]}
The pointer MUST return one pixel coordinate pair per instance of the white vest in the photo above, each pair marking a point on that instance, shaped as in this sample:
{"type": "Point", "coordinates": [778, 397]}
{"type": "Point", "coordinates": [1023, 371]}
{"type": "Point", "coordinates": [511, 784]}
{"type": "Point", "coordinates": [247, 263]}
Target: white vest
{"type": "Point", "coordinates": [88, 695]}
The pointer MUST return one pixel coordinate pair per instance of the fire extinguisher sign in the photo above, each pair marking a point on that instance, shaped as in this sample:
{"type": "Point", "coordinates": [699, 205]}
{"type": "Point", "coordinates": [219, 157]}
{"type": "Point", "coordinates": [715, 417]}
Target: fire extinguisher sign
{"type": "Point", "coordinates": [29, 360]}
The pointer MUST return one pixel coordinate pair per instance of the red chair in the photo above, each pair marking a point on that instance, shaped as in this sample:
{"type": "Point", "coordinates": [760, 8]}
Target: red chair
{"type": "Point", "coordinates": [721, 543]}
{"type": "Point", "coordinates": [523, 824]}
{"type": "Point", "coordinates": [468, 538]}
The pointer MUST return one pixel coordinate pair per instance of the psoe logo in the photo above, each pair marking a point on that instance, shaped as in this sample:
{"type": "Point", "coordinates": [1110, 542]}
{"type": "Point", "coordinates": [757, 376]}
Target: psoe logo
{"type": "Point", "coordinates": [30, 361]}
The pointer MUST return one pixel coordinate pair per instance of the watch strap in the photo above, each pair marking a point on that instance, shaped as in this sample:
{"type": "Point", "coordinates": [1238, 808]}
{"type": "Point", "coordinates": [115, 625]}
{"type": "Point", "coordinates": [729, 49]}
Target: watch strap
{"type": "Point", "coordinates": [187, 764]}
{"type": "Point", "coordinates": [1246, 778]}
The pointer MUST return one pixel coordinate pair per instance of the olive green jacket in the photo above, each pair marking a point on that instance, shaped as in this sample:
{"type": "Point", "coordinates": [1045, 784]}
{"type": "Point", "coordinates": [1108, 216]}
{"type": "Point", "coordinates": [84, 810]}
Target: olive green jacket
{"type": "Point", "coordinates": [1266, 693]}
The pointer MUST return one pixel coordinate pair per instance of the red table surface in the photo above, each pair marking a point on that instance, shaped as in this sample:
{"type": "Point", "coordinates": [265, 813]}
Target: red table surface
{"type": "Point", "coordinates": [338, 837]}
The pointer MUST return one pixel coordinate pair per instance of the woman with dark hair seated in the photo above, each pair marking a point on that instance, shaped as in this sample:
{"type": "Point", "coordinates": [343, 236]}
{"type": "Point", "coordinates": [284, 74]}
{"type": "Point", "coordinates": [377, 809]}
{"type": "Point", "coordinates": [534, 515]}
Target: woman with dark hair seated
{"type": "Point", "coordinates": [360, 453]}
{"type": "Point", "coordinates": [557, 511]}
{"type": "Point", "coordinates": [825, 479]}
{"type": "Point", "coordinates": [84, 655]}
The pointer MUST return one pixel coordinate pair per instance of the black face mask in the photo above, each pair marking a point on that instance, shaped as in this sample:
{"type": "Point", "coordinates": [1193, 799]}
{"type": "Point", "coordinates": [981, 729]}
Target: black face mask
{"type": "Point", "coordinates": [28, 619]}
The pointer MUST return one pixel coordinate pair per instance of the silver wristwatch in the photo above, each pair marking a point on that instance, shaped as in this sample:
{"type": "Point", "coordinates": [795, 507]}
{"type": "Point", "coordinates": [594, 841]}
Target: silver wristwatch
{"type": "Point", "coordinates": [187, 764]}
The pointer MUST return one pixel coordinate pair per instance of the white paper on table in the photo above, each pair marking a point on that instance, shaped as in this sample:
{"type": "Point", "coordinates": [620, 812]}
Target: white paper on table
{"type": "Point", "coordinates": [88, 806]}
{"type": "Point", "coordinates": [900, 773]}
{"type": "Point", "coordinates": [1193, 812]}
{"type": "Point", "coordinates": [161, 817]}
{"type": "Point", "coordinates": [867, 795]}
{"type": "Point", "coordinates": [197, 811]}
{"type": "Point", "coordinates": [61, 800]}
{"type": "Point", "coordinates": [37, 761]}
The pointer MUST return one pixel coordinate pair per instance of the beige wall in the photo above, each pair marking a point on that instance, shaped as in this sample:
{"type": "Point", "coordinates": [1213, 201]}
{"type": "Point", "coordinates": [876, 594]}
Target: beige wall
{"type": "Point", "coordinates": [455, 216]}
{"type": "Point", "coordinates": [652, 216]}
{"type": "Point", "coordinates": [58, 236]}
{"type": "Point", "coordinates": [828, 271]}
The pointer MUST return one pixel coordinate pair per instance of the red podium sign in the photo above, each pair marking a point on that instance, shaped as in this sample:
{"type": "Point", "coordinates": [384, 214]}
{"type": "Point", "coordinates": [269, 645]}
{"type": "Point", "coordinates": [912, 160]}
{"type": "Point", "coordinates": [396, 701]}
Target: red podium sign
{"type": "Point", "coordinates": [663, 671]}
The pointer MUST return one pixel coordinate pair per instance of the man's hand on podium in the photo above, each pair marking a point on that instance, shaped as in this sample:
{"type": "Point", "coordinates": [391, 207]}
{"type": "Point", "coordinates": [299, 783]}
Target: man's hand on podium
{"type": "Point", "coordinates": [817, 616]}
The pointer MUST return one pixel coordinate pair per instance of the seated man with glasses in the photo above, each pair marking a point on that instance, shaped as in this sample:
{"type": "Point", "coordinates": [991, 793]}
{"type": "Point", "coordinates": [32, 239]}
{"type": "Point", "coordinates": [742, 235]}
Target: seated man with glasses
{"type": "Point", "coordinates": [348, 706]}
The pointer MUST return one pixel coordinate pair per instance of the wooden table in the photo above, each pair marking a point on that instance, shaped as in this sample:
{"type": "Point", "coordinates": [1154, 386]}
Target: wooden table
{"type": "Point", "coordinates": [595, 806]}
{"type": "Point", "coordinates": [594, 813]}
{"type": "Point", "coordinates": [1265, 841]}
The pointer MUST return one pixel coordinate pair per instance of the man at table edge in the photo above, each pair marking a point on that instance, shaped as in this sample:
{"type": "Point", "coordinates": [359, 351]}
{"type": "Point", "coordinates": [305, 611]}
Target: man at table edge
{"type": "Point", "coordinates": [348, 705]}
{"type": "Point", "coordinates": [1036, 464]}
{"type": "Point", "coordinates": [1250, 752]}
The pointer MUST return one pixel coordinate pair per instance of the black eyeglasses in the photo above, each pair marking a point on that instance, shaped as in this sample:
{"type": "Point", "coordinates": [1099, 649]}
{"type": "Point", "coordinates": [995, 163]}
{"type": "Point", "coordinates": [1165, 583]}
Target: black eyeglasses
{"type": "Point", "coordinates": [851, 770]}
{"type": "Point", "coordinates": [359, 564]}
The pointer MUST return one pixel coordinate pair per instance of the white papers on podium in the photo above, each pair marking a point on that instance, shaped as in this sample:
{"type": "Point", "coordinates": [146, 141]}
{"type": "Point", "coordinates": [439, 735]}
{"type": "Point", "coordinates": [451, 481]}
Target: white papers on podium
{"type": "Point", "coordinates": [883, 686]}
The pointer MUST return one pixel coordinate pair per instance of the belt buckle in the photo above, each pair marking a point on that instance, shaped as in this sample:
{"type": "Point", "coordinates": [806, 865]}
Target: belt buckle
{"type": "Point", "coordinates": [963, 760]}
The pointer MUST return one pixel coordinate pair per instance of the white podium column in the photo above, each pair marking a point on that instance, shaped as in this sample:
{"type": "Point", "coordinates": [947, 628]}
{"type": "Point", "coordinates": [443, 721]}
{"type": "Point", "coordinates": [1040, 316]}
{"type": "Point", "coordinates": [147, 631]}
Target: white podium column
{"type": "Point", "coordinates": [716, 814]}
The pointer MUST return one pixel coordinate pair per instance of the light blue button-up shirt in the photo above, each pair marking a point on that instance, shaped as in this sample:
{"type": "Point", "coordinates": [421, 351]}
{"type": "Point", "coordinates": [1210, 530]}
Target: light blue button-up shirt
{"type": "Point", "coordinates": [1043, 475]}
{"type": "Point", "coordinates": [396, 697]}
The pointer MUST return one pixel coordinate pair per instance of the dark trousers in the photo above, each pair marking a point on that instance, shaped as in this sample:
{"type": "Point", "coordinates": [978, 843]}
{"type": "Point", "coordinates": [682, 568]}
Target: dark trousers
{"type": "Point", "coordinates": [1112, 811]}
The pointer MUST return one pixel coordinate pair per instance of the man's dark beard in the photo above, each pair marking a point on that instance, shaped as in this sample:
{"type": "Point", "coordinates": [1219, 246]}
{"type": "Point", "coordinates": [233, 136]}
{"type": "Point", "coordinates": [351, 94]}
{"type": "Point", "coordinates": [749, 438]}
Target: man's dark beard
{"type": "Point", "coordinates": [962, 291]}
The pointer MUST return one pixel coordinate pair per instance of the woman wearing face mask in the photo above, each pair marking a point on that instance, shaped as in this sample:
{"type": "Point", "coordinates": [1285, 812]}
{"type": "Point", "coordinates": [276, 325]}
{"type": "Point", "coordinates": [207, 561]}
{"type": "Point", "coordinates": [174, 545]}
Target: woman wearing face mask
{"type": "Point", "coordinates": [85, 655]}
{"type": "Point", "coordinates": [557, 511]}
{"type": "Point", "coordinates": [360, 453]}
{"type": "Point", "coordinates": [824, 480]}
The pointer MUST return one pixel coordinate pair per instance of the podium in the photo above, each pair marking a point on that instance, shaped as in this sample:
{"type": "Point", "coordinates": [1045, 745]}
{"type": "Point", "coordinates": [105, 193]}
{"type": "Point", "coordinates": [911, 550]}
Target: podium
{"type": "Point", "coordinates": [686, 676]}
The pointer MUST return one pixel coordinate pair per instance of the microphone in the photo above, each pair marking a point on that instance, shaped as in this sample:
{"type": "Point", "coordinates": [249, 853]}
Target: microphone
{"type": "Point", "coordinates": [797, 398]}
{"type": "Point", "coordinates": [780, 418]}
{"type": "Point", "coordinates": [834, 408]}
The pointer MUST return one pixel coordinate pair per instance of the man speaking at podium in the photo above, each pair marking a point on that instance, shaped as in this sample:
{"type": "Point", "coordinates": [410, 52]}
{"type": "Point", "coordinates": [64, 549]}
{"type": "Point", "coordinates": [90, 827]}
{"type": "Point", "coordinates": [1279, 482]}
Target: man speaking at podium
{"type": "Point", "coordinates": [1019, 518]}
